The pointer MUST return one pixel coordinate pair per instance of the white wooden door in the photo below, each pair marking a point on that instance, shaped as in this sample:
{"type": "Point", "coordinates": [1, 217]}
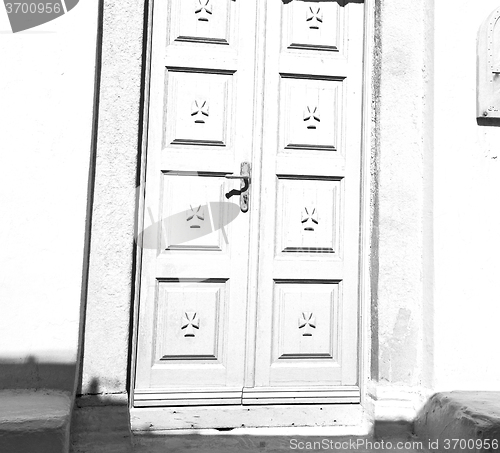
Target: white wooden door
{"type": "Point", "coordinates": [193, 294]}
{"type": "Point", "coordinates": [258, 307]}
{"type": "Point", "coordinates": [307, 301]}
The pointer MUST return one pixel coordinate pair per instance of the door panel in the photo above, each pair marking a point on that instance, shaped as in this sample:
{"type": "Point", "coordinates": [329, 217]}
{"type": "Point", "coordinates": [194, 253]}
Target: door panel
{"type": "Point", "coordinates": [307, 302]}
{"type": "Point", "coordinates": [193, 295]}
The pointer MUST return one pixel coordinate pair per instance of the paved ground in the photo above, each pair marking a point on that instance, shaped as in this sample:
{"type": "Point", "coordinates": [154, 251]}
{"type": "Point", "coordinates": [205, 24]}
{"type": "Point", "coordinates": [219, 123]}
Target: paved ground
{"type": "Point", "coordinates": [108, 431]}
{"type": "Point", "coordinates": [244, 443]}
{"type": "Point", "coordinates": [267, 444]}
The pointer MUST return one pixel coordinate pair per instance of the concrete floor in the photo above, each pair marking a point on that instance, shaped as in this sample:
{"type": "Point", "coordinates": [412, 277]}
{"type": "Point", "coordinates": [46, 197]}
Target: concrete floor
{"type": "Point", "coordinates": [107, 430]}
{"type": "Point", "coordinates": [266, 444]}
{"type": "Point", "coordinates": [234, 443]}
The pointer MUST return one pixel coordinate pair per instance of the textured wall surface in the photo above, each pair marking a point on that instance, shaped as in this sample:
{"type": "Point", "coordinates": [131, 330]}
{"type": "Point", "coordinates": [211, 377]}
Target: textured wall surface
{"type": "Point", "coordinates": [401, 92]}
{"type": "Point", "coordinates": [46, 92]}
{"type": "Point", "coordinates": [107, 318]}
{"type": "Point", "coordinates": [436, 184]}
{"type": "Point", "coordinates": [466, 210]}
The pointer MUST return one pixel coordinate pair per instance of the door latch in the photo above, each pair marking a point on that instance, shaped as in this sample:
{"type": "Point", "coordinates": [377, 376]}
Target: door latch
{"type": "Point", "coordinates": [245, 184]}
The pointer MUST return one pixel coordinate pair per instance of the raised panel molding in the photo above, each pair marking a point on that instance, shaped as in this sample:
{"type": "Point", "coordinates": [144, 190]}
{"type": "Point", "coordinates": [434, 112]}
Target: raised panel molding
{"type": "Point", "coordinates": [202, 21]}
{"type": "Point", "coordinates": [199, 105]}
{"type": "Point", "coordinates": [311, 340]}
{"type": "Point", "coordinates": [309, 26]}
{"type": "Point", "coordinates": [299, 227]}
{"type": "Point", "coordinates": [287, 395]}
{"type": "Point", "coordinates": [187, 397]}
{"type": "Point", "coordinates": [189, 221]}
{"type": "Point", "coordinates": [189, 302]}
{"type": "Point", "coordinates": [311, 113]}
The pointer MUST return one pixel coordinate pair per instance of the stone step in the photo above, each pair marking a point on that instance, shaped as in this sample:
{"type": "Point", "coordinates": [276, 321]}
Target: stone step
{"type": "Point", "coordinates": [460, 421]}
{"type": "Point", "coordinates": [34, 421]}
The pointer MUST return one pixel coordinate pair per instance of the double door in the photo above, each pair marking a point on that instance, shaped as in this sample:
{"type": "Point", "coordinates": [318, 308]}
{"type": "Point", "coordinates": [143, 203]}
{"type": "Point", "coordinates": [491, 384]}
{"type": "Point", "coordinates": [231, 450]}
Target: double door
{"type": "Point", "coordinates": [251, 299]}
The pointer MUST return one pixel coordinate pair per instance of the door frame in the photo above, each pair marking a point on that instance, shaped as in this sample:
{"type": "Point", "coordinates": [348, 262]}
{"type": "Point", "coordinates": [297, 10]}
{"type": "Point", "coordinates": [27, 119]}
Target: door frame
{"type": "Point", "coordinates": [365, 203]}
{"type": "Point", "coordinates": [95, 361]}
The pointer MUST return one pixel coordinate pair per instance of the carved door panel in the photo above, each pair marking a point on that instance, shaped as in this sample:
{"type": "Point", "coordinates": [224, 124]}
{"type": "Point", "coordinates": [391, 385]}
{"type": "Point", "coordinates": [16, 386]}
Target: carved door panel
{"type": "Point", "coordinates": [193, 296]}
{"type": "Point", "coordinates": [277, 84]}
{"type": "Point", "coordinates": [307, 302]}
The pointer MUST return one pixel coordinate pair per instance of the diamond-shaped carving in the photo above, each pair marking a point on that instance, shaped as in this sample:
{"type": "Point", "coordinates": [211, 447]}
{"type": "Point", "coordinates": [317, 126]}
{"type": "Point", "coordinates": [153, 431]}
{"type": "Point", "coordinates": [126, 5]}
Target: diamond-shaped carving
{"type": "Point", "coordinates": [203, 10]}
{"type": "Point", "coordinates": [307, 321]}
{"type": "Point", "coordinates": [314, 17]}
{"type": "Point", "coordinates": [190, 321]}
{"type": "Point", "coordinates": [199, 110]}
{"type": "Point", "coordinates": [309, 218]}
{"type": "Point", "coordinates": [311, 116]}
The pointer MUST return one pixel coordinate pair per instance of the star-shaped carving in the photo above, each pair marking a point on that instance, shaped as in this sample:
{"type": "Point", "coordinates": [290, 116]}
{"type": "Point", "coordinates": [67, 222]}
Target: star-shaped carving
{"type": "Point", "coordinates": [307, 321]}
{"type": "Point", "coordinates": [190, 321]}
{"type": "Point", "coordinates": [314, 17]}
{"type": "Point", "coordinates": [199, 110]}
{"type": "Point", "coordinates": [203, 10]}
{"type": "Point", "coordinates": [311, 116]}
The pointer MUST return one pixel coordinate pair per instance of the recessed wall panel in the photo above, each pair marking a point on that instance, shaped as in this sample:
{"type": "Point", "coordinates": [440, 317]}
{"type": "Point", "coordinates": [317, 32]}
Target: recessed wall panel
{"type": "Point", "coordinates": [305, 324]}
{"type": "Point", "coordinates": [310, 114]}
{"type": "Point", "coordinates": [202, 21]}
{"type": "Point", "coordinates": [313, 26]}
{"type": "Point", "coordinates": [195, 213]}
{"type": "Point", "coordinates": [190, 321]}
{"type": "Point", "coordinates": [199, 108]}
{"type": "Point", "coordinates": [308, 215]}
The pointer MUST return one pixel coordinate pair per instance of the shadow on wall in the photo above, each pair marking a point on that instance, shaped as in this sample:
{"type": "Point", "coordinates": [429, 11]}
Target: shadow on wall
{"type": "Point", "coordinates": [100, 420]}
{"type": "Point", "coordinates": [32, 374]}
{"type": "Point", "coordinates": [488, 122]}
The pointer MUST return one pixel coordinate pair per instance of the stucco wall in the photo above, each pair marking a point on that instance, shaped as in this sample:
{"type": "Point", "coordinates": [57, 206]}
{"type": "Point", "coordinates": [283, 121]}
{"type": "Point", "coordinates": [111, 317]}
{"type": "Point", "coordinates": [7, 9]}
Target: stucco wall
{"type": "Point", "coordinates": [110, 280]}
{"type": "Point", "coordinates": [46, 92]}
{"type": "Point", "coordinates": [436, 183]}
{"type": "Point", "coordinates": [401, 311]}
{"type": "Point", "coordinates": [466, 209]}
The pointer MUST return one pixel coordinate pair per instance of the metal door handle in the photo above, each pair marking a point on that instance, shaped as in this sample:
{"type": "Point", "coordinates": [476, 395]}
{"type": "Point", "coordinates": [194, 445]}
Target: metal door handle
{"type": "Point", "coordinates": [246, 180]}
{"type": "Point", "coordinates": [245, 184]}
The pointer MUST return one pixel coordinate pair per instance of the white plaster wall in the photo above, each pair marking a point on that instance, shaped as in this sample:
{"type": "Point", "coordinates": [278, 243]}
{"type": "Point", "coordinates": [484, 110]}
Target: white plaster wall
{"type": "Point", "coordinates": [110, 289]}
{"type": "Point", "coordinates": [466, 209]}
{"type": "Point", "coordinates": [46, 108]}
{"type": "Point", "coordinates": [399, 354]}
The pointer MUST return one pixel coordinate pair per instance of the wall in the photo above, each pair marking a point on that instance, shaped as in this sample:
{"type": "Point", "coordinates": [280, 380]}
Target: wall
{"type": "Point", "coordinates": [401, 247]}
{"type": "Point", "coordinates": [436, 183]}
{"type": "Point", "coordinates": [466, 209]}
{"type": "Point", "coordinates": [110, 279]}
{"type": "Point", "coordinates": [46, 92]}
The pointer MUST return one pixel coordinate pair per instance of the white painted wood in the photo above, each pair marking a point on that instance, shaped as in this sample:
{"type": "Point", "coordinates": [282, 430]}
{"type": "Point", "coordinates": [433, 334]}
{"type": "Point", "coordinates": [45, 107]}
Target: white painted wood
{"type": "Point", "coordinates": [265, 310]}
{"type": "Point", "coordinates": [307, 302]}
{"type": "Point", "coordinates": [193, 277]}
